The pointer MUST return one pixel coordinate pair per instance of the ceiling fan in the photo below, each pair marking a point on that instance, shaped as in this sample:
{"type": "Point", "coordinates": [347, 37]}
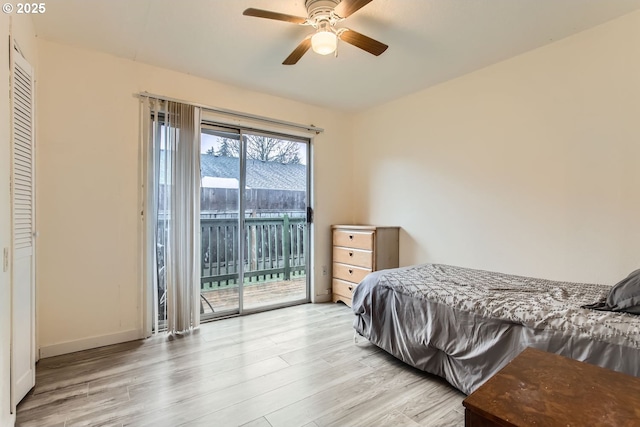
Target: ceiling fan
{"type": "Point", "coordinates": [323, 15]}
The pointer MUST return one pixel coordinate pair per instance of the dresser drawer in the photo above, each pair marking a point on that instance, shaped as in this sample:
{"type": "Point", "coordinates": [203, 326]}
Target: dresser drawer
{"type": "Point", "coordinates": [356, 257]}
{"type": "Point", "coordinates": [353, 239]}
{"type": "Point", "coordinates": [342, 291]}
{"type": "Point", "coordinates": [345, 289]}
{"type": "Point", "coordinates": [349, 273]}
{"type": "Point", "coordinates": [342, 298]}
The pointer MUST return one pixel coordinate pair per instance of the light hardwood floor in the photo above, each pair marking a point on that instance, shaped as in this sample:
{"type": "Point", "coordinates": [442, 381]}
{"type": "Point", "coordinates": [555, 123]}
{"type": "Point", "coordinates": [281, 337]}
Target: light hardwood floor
{"type": "Point", "coordinates": [297, 366]}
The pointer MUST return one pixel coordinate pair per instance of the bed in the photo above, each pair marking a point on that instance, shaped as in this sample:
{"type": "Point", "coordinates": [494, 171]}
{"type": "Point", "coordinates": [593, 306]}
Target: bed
{"type": "Point", "coordinates": [464, 325]}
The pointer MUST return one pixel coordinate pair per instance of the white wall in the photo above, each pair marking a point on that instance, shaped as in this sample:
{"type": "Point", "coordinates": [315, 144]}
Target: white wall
{"type": "Point", "coordinates": [22, 31]}
{"type": "Point", "coordinates": [87, 183]}
{"type": "Point", "coordinates": [529, 166]}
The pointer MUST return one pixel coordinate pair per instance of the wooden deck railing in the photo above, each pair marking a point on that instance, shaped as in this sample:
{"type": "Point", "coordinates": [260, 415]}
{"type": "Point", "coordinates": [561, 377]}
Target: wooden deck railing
{"type": "Point", "coordinates": [274, 248]}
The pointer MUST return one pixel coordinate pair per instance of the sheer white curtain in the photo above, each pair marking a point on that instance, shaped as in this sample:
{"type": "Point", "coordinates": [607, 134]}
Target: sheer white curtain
{"type": "Point", "coordinates": [173, 212]}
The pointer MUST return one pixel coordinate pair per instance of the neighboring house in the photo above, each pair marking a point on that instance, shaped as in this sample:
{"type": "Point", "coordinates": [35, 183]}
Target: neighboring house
{"type": "Point", "coordinates": [223, 172]}
{"type": "Point", "coordinates": [271, 186]}
{"type": "Point", "coordinates": [220, 172]}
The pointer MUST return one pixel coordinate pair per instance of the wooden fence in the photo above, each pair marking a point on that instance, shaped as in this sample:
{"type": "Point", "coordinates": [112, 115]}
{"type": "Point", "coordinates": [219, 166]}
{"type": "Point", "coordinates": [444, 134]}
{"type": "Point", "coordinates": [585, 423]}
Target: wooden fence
{"type": "Point", "coordinates": [274, 248]}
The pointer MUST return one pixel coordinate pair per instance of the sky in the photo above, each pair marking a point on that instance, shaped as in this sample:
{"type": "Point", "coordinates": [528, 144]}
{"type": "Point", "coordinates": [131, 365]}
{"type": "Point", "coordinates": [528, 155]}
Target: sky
{"type": "Point", "coordinates": [207, 141]}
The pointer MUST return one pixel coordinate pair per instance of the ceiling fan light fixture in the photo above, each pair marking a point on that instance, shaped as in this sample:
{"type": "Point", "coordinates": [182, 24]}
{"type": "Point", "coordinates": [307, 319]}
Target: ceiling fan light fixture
{"type": "Point", "coordinates": [324, 42]}
{"type": "Point", "coordinates": [323, 16]}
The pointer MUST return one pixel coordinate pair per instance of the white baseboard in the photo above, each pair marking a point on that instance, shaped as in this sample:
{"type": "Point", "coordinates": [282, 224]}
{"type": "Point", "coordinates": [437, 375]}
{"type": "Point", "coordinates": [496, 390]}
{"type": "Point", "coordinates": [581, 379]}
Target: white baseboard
{"type": "Point", "coordinates": [88, 343]}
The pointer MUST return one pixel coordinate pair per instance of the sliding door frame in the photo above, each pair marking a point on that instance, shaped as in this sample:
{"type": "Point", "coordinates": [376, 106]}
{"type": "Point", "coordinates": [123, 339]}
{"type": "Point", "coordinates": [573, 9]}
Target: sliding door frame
{"type": "Point", "coordinates": [307, 232]}
{"type": "Point", "coordinates": [229, 119]}
{"type": "Point", "coordinates": [242, 180]}
{"type": "Point", "coordinates": [242, 184]}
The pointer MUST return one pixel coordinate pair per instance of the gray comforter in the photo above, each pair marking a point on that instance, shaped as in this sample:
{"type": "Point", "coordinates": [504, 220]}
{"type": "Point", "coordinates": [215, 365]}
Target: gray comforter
{"type": "Point", "coordinates": [465, 325]}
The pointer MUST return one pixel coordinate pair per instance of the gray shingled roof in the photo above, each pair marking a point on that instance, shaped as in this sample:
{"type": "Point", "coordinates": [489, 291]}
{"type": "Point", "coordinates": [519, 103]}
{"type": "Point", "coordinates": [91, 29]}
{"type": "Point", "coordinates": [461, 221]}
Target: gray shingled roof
{"type": "Point", "coordinates": [260, 174]}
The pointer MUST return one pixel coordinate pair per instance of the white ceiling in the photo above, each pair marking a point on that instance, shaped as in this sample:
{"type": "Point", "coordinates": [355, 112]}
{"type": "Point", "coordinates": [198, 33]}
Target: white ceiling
{"type": "Point", "coordinates": [430, 41]}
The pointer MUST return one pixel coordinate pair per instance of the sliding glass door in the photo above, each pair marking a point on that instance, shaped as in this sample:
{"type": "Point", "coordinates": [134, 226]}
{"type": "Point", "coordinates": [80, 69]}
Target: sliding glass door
{"type": "Point", "coordinates": [231, 237]}
{"type": "Point", "coordinates": [253, 221]}
{"type": "Point", "coordinates": [220, 262]}
{"type": "Point", "coordinates": [275, 219]}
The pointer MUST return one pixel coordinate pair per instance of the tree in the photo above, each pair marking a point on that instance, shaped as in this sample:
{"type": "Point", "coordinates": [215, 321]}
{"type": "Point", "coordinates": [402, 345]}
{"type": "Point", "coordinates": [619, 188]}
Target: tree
{"type": "Point", "coordinates": [228, 148]}
{"type": "Point", "coordinates": [260, 148]}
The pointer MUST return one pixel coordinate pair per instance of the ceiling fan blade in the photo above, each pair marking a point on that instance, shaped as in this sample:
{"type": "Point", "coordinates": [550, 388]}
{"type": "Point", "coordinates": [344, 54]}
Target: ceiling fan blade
{"type": "Point", "coordinates": [297, 53]}
{"type": "Point", "coordinates": [348, 7]}
{"type": "Point", "coordinates": [372, 46]}
{"type": "Point", "coordinates": [259, 13]}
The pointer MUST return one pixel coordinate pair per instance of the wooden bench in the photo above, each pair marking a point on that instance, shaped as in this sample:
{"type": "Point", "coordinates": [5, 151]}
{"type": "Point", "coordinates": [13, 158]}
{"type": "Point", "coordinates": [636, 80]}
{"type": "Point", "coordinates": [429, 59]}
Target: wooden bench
{"type": "Point", "coordinates": [544, 389]}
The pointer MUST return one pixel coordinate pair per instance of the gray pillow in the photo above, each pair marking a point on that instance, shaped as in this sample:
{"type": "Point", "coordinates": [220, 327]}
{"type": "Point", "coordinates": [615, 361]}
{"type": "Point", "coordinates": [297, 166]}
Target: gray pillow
{"type": "Point", "coordinates": [624, 296]}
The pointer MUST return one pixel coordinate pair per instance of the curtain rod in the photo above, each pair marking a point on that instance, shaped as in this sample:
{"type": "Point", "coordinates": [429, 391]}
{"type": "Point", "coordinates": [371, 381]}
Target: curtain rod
{"type": "Point", "coordinates": [311, 128]}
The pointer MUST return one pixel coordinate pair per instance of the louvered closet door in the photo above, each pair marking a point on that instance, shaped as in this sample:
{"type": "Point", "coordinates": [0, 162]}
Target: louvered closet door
{"type": "Point", "coordinates": [22, 209]}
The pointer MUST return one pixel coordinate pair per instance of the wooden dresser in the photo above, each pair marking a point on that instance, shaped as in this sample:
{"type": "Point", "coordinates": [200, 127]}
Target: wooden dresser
{"type": "Point", "coordinates": [545, 389]}
{"type": "Point", "coordinates": [357, 251]}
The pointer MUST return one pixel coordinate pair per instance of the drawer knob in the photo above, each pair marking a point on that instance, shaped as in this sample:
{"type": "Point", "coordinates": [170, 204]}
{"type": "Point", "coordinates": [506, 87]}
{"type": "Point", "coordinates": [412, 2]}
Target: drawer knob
{"type": "Point", "coordinates": [350, 236]}
{"type": "Point", "coordinates": [350, 253]}
{"type": "Point", "coordinates": [350, 271]}
{"type": "Point", "coordinates": [350, 288]}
